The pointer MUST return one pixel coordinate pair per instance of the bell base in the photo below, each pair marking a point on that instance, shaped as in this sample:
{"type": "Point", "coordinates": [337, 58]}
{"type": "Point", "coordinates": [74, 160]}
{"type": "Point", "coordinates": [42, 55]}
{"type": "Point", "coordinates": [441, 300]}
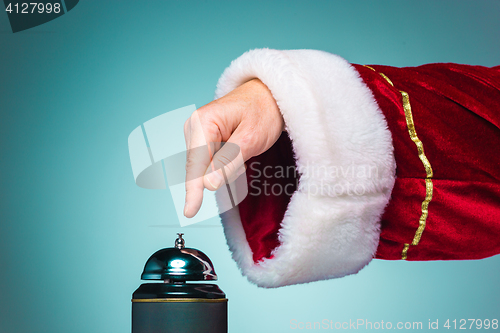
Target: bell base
{"type": "Point", "coordinates": [175, 317]}
{"type": "Point", "coordinates": [169, 308]}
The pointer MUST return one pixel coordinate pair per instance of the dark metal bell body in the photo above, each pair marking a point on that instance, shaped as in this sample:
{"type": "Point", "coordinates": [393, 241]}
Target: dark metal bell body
{"type": "Point", "coordinates": [174, 305]}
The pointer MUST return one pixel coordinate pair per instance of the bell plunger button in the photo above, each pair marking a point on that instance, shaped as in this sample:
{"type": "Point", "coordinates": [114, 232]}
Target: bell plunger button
{"type": "Point", "coordinates": [179, 242]}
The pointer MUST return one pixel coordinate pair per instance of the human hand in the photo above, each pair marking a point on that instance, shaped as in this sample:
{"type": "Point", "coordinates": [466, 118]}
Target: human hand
{"type": "Point", "coordinates": [248, 118]}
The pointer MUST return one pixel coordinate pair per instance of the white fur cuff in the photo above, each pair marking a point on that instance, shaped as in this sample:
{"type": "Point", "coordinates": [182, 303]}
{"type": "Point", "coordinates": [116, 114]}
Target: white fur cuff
{"type": "Point", "coordinates": [344, 153]}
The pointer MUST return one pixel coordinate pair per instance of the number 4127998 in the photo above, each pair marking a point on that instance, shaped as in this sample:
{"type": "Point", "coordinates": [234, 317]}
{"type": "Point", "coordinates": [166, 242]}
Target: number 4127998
{"type": "Point", "coordinates": [478, 324]}
{"type": "Point", "coordinates": [33, 8]}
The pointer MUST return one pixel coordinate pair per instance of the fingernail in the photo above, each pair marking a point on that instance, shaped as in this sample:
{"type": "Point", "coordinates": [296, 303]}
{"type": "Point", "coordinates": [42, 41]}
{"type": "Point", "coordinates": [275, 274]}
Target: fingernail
{"type": "Point", "coordinates": [185, 209]}
{"type": "Point", "coordinates": [215, 179]}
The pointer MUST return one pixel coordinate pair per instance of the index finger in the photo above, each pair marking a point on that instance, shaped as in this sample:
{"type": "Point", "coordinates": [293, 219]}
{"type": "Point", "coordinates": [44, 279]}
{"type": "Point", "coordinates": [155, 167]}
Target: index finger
{"type": "Point", "coordinates": [202, 138]}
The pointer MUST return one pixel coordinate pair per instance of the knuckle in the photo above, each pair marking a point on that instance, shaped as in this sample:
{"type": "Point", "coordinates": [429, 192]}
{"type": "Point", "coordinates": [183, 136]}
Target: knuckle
{"type": "Point", "coordinates": [205, 113]}
{"type": "Point", "coordinates": [247, 140]}
{"type": "Point", "coordinates": [225, 161]}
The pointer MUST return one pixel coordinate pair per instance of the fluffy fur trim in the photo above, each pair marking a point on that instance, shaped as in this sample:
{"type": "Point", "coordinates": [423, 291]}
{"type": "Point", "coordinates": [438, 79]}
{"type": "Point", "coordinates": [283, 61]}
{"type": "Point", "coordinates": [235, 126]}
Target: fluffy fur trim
{"type": "Point", "coordinates": [344, 153]}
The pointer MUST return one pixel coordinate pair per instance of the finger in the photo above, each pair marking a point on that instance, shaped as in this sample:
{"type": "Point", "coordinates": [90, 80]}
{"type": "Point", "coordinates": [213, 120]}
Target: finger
{"type": "Point", "coordinates": [227, 164]}
{"type": "Point", "coordinates": [227, 176]}
{"type": "Point", "coordinates": [238, 173]}
{"type": "Point", "coordinates": [200, 138]}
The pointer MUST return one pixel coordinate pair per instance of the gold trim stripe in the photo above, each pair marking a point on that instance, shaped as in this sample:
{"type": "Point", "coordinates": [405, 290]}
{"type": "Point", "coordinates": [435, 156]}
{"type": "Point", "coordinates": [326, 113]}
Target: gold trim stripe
{"type": "Point", "coordinates": [179, 300]}
{"type": "Point", "coordinates": [427, 166]}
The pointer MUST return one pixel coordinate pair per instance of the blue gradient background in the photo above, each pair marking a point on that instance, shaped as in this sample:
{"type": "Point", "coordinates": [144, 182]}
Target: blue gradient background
{"type": "Point", "coordinates": [75, 230]}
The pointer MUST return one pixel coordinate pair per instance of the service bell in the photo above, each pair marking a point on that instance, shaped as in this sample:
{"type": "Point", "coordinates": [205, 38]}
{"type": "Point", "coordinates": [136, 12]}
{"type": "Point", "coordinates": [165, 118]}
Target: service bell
{"type": "Point", "coordinates": [174, 305]}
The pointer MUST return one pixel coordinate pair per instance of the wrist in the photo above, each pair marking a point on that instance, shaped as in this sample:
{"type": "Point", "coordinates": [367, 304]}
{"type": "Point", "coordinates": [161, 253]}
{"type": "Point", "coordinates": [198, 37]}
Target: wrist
{"type": "Point", "coordinates": [267, 103]}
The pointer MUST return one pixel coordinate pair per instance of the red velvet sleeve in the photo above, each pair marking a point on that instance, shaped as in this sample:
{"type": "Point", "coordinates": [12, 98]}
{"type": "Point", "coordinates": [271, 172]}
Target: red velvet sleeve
{"type": "Point", "coordinates": [453, 213]}
{"type": "Point", "coordinates": [456, 116]}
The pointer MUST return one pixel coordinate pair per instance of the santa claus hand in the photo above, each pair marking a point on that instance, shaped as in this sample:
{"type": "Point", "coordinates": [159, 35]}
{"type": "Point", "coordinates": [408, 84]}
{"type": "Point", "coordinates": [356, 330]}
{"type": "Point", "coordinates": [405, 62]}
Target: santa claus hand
{"type": "Point", "coordinates": [247, 118]}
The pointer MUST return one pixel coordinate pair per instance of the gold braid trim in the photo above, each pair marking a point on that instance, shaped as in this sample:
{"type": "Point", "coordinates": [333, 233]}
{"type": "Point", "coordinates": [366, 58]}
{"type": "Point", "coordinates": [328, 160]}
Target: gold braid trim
{"type": "Point", "coordinates": [427, 166]}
